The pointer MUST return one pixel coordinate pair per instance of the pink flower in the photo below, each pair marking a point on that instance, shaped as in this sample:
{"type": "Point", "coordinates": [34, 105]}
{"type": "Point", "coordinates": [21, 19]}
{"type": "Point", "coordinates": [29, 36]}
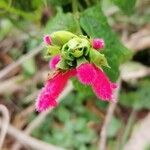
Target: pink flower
{"type": "Point", "coordinates": [52, 89]}
{"type": "Point", "coordinates": [45, 100]}
{"type": "Point", "coordinates": [102, 86]}
{"type": "Point", "coordinates": [53, 62]}
{"type": "Point", "coordinates": [47, 40]}
{"type": "Point", "coordinates": [86, 73]}
{"type": "Point", "coordinates": [98, 43]}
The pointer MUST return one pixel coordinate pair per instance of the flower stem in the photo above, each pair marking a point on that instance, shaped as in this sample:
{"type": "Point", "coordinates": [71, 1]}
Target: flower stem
{"type": "Point", "coordinates": [127, 129]}
{"type": "Point", "coordinates": [76, 15]}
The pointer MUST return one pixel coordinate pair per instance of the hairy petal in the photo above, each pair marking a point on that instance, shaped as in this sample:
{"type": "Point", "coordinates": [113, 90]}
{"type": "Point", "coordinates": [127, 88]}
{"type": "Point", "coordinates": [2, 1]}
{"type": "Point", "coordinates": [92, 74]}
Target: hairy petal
{"type": "Point", "coordinates": [53, 62]}
{"type": "Point", "coordinates": [102, 86]}
{"type": "Point", "coordinates": [98, 43]}
{"type": "Point", "coordinates": [86, 73]}
{"type": "Point", "coordinates": [45, 100]}
{"type": "Point", "coordinates": [52, 89]}
{"type": "Point", "coordinates": [47, 40]}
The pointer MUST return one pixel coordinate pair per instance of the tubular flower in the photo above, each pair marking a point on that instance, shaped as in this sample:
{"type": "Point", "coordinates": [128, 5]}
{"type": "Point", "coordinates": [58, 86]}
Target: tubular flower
{"type": "Point", "coordinates": [86, 73]}
{"type": "Point", "coordinates": [47, 40]}
{"type": "Point", "coordinates": [102, 86]}
{"type": "Point", "coordinates": [54, 61]}
{"type": "Point", "coordinates": [98, 43]}
{"type": "Point", "coordinates": [74, 56]}
{"type": "Point", "coordinates": [53, 87]}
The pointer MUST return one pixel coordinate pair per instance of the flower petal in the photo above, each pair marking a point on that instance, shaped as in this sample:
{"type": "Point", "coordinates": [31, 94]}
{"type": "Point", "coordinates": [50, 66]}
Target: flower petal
{"type": "Point", "coordinates": [47, 40]}
{"type": "Point", "coordinates": [44, 100]}
{"type": "Point", "coordinates": [52, 89]}
{"type": "Point", "coordinates": [53, 62]}
{"type": "Point", "coordinates": [102, 86]}
{"type": "Point", "coordinates": [86, 73]}
{"type": "Point", "coordinates": [98, 43]}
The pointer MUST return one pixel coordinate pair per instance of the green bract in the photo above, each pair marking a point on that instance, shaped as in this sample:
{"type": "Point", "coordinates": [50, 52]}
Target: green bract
{"type": "Point", "coordinates": [74, 50]}
{"type": "Point", "coordinates": [98, 58]}
{"type": "Point", "coordinates": [53, 50]}
{"type": "Point", "coordinates": [61, 37]}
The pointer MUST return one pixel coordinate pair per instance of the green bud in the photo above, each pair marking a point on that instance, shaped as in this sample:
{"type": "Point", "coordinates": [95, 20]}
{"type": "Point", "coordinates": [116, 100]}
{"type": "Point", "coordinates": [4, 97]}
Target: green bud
{"type": "Point", "coordinates": [97, 58]}
{"type": "Point", "coordinates": [62, 65]}
{"type": "Point", "coordinates": [76, 46]}
{"type": "Point", "coordinates": [66, 54]}
{"type": "Point", "coordinates": [61, 37]}
{"type": "Point", "coordinates": [53, 50]}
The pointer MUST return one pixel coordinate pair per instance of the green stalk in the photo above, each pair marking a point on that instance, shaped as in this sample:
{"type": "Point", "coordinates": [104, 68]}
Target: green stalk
{"type": "Point", "coordinates": [76, 15]}
{"type": "Point", "coordinates": [127, 130]}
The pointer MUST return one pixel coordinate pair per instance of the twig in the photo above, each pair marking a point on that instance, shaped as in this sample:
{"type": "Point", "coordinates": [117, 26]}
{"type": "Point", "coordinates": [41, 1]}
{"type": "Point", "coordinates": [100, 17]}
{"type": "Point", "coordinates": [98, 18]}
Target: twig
{"type": "Point", "coordinates": [140, 136]}
{"type": "Point", "coordinates": [16, 83]}
{"type": "Point", "coordinates": [138, 41]}
{"type": "Point", "coordinates": [127, 129]}
{"type": "Point", "coordinates": [12, 66]}
{"type": "Point", "coordinates": [103, 134]}
{"type": "Point", "coordinates": [30, 141]}
{"type": "Point", "coordinates": [4, 123]}
{"type": "Point", "coordinates": [41, 117]}
{"type": "Point", "coordinates": [133, 70]}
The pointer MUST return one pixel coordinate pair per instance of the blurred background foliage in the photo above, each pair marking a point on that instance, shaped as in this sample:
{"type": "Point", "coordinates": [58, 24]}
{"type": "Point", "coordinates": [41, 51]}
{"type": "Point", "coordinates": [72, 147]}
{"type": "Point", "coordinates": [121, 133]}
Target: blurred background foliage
{"type": "Point", "coordinates": [75, 124]}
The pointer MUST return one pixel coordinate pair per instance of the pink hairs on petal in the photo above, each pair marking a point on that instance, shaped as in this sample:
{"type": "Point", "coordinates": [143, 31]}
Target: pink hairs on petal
{"type": "Point", "coordinates": [53, 62]}
{"type": "Point", "coordinates": [98, 43]}
{"type": "Point", "coordinates": [86, 73]}
{"type": "Point", "coordinates": [103, 87]}
{"type": "Point", "coordinates": [45, 100]}
{"type": "Point", "coordinates": [47, 40]}
{"type": "Point", "coordinates": [53, 87]}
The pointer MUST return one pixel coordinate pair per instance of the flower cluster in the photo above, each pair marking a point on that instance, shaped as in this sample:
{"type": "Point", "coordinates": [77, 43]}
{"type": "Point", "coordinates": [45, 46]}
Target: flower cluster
{"type": "Point", "coordinates": [74, 56]}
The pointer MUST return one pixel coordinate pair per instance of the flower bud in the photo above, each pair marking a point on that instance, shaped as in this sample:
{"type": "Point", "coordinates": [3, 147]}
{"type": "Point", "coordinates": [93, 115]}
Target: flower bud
{"type": "Point", "coordinates": [98, 43]}
{"type": "Point", "coordinates": [59, 38]}
{"type": "Point", "coordinates": [47, 40]}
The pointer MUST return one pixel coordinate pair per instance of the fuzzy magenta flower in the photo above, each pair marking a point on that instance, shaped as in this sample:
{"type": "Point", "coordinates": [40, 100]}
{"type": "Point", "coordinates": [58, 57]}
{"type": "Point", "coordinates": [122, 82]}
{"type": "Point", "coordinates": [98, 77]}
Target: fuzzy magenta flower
{"type": "Point", "coordinates": [53, 87]}
{"type": "Point", "coordinates": [102, 86]}
{"type": "Point", "coordinates": [98, 43]}
{"type": "Point", "coordinates": [53, 62]}
{"type": "Point", "coordinates": [47, 40]}
{"type": "Point", "coordinates": [74, 56]}
{"type": "Point", "coordinates": [86, 73]}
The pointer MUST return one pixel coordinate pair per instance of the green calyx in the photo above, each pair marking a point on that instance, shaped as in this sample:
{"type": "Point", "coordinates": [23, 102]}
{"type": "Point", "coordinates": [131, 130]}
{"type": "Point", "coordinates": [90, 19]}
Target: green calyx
{"type": "Point", "coordinates": [53, 50]}
{"type": "Point", "coordinates": [97, 58]}
{"type": "Point", "coordinates": [74, 50]}
{"type": "Point", "coordinates": [59, 38]}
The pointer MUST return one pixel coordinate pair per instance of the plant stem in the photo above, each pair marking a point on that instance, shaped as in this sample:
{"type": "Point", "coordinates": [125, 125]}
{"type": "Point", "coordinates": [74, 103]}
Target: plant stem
{"type": "Point", "coordinates": [76, 15]}
{"type": "Point", "coordinates": [127, 129]}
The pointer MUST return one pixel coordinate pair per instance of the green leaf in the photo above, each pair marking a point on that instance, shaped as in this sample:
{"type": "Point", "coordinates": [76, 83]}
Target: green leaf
{"type": "Point", "coordinates": [86, 90]}
{"type": "Point", "coordinates": [138, 99]}
{"type": "Point", "coordinates": [61, 21]}
{"type": "Point", "coordinates": [29, 67]}
{"type": "Point", "coordinates": [127, 6]}
{"type": "Point", "coordinates": [59, 2]}
{"type": "Point", "coordinates": [20, 8]}
{"type": "Point", "coordinates": [95, 24]}
{"type": "Point", "coordinates": [113, 127]}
